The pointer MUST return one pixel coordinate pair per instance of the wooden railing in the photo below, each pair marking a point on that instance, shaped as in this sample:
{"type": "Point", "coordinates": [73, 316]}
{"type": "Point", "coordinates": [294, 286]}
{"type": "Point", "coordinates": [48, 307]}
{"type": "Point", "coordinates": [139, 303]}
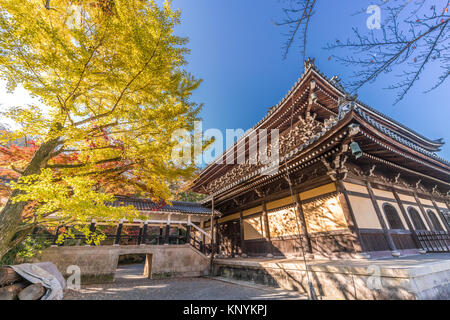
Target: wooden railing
{"type": "Point", "coordinates": [375, 240]}
{"type": "Point", "coordinates": [193, 235]}
{"type": "Point", "coordinates": [198, 242]}
{"type": "Point", "coordinates": [434, 241]}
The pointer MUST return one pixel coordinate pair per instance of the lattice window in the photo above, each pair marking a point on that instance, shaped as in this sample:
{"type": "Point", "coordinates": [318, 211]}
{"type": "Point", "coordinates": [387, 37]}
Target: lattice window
{"type": "Point", "coordinates": [392, 217]}
{"type": "Point", "coordinates": [435, 221]}
{"type": "Point", "coordinates": [416, 219]}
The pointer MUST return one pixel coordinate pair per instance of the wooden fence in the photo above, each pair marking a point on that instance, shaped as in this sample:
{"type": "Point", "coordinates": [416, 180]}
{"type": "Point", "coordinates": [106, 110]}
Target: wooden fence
{"type": "Point", "coordinates": [434, 241]}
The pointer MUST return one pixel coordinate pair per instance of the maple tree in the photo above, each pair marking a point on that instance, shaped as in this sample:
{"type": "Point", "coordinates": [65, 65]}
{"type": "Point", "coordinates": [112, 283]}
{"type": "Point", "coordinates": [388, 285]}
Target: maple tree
{"type": "Point", "coordinates": [110, 75]}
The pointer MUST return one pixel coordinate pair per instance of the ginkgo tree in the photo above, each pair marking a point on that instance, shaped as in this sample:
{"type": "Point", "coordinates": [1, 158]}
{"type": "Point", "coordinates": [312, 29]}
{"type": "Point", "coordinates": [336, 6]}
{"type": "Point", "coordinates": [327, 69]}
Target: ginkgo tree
{"type": "Point", "coordinates": [111, 76]}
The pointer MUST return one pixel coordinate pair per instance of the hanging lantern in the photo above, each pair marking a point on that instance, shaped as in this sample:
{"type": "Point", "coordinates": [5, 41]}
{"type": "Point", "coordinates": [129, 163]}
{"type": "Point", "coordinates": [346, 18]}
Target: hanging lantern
{"type": "Point", "coordinates": [356, 150]}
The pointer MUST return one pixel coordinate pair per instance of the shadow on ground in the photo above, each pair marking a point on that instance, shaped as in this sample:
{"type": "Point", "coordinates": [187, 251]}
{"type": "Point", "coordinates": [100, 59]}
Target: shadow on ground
{"type": "Point", "coordinates": [131, 285]}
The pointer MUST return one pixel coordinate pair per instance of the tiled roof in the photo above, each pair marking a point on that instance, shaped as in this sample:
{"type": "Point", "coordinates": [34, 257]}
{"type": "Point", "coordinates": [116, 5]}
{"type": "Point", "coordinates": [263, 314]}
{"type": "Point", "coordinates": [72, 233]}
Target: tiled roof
{"type": "Point", "coordinates": [339, 87]}
{"type": "Point", "coordinates": [179, 207]}
{"type": "Point", "coordinates": [309, 65]}
{"type": "Point", "coordinates": [398, 138]}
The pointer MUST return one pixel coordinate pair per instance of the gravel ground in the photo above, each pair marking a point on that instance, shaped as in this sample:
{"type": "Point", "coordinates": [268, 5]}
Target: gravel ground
{"type": "Point", "coordinates": [130, 285]}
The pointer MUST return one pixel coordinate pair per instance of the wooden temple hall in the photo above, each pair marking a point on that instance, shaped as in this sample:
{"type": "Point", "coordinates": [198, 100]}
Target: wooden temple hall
{"type": "Point", "coordinates": [350, 181]}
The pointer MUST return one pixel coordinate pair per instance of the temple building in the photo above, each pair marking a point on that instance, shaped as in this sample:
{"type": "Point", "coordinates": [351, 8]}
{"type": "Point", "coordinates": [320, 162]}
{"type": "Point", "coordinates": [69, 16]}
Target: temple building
{"type": "Point", "coordinates": [158, 224]}
{"type": "Point", "coordinates": [349, 181]}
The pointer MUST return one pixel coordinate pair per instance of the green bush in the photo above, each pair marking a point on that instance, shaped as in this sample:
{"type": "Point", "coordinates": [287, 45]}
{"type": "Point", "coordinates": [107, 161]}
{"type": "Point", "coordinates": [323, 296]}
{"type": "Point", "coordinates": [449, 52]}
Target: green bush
{"type": "Point", "coordinates": [26, 250]}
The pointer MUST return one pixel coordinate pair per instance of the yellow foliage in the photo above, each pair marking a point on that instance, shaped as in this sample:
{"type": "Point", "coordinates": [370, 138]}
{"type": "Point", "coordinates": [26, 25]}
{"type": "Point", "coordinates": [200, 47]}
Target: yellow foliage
{"type": "Point", "coordinates": [111, 76]}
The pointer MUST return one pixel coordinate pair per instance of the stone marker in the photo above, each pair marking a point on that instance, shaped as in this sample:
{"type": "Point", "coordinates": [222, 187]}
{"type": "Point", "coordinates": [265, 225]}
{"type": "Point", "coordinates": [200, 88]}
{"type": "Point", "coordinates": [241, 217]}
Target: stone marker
{"type": "Point", "coordinates": [32, 292]}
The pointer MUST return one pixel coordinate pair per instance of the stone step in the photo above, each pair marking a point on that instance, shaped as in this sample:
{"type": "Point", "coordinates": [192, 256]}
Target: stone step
{"type": "Point", "coordinates": [287, 294]}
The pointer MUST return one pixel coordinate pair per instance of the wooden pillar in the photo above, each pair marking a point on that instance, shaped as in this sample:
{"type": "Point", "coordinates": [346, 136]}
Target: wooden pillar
{"type": "Point", "coordinates": [55, 237]}
{"type": "Point", "coordinates": [406, 217]}
{"type": "Point", "coordinates": [160, 239]}
{"type": "Point", "coordinates": [217, 234]}
{"type": "Point", "coordinates": [386, 232]}
{"type": "Point", "coordinates": [422, 209]}
{"type": "Point", "coordinates": [211, 258]}
{"type": "Point", "coordinates": [203, 238]}
{"type": "Point", "coordinates": [445, 222]}
{"type": "Point", "coordinates": [267, 227]}
{"type": "Point", "coordinates": [234, 247]}
{"type": "Point", "coordinates": [241, 226]}
{"type": "Point", "coordinates": [167, 234]}
{"type": "Point", "coordinates": [139, 238]}
{"type": "Point", "coordinates": [118, 233]}
{"type": "Point", "coordinates": [92, 228]}
{"type": "Point", "coordinates": [349, 215]}
{"type": "Point", "coordinates": [303, 224]}
{"type": "Point", "coordinates": [144, 233]}
{"type": "Point", "coordinates": [188, 231]}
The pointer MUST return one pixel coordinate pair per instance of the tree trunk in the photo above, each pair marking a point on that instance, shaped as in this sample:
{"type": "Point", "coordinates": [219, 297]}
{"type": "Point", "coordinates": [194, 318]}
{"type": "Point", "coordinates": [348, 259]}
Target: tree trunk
{"type": "Point", "coordinates": [10, 216]}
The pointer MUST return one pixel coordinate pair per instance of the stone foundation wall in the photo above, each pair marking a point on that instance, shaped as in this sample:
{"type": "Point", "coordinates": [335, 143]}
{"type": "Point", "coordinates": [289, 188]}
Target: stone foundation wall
{"type": "Point", "coordinates": [341, 281]}
{"type": "Point", "coordinates": [98, 264]}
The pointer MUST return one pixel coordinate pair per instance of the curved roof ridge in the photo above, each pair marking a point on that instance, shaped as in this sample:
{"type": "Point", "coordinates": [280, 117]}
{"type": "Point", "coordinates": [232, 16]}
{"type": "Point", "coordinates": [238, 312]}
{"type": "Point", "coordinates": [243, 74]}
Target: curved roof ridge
{"type": "Point", "coordinates": [400, 139]}
{"type": "Point", "coordinates": [339, 87]}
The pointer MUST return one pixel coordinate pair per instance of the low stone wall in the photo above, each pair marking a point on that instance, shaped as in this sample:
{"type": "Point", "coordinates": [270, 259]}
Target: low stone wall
{"type": "Point", "coordinates": [98, 263]}
{"type": "Point", "coordinates": [347, 279]}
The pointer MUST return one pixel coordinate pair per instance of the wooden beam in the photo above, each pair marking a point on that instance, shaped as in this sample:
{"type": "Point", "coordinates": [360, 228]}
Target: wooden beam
{"type": "Point", "coordinates": [200, 230]}
{"type": "Point", "coordinates": [386, 232]}
{"type": "Point", "coordinates": [165, 221]}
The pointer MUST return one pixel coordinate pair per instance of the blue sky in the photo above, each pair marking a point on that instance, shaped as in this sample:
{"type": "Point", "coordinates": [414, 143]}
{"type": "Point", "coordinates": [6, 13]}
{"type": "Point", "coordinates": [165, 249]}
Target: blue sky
{"type": "Point", "coordinates": [237, 51]}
